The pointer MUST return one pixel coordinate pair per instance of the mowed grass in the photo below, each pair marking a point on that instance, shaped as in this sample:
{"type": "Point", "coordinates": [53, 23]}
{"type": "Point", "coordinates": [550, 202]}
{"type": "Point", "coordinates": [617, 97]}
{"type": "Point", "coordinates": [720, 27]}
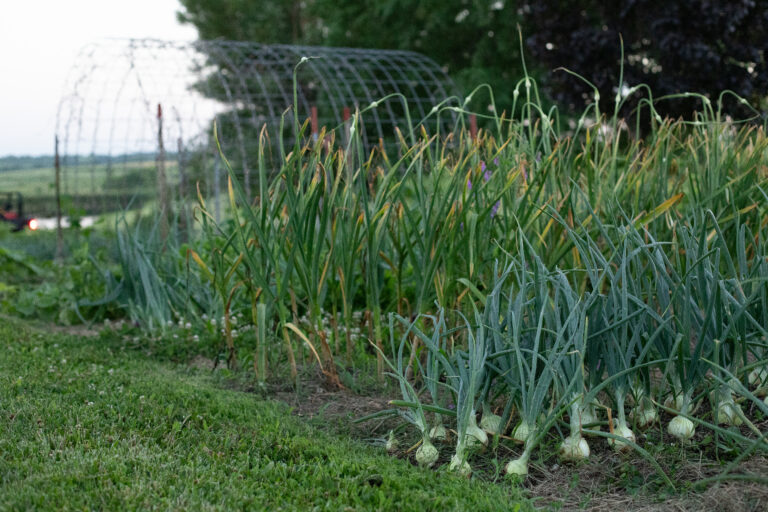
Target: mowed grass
{"type": "Point", "coordinates": [86, 425]}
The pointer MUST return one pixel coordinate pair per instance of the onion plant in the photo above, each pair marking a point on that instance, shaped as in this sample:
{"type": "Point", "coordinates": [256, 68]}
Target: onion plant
{"type": "Point", "coordinates": [413, 412]}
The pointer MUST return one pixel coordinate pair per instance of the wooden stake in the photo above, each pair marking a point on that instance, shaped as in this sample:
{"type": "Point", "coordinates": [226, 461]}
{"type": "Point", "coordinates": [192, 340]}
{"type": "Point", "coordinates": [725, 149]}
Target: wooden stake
{"type": "Point", "coordinates": [162, 185]}
{"type": "Point", "coordinates": [473, 127]}
{"type": "Point", "coordinates": [315, 125]}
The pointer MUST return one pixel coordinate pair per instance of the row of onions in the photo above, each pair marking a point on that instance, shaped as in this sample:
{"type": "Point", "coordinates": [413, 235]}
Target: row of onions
{"type": "Point", "coordinates": [640, 327]}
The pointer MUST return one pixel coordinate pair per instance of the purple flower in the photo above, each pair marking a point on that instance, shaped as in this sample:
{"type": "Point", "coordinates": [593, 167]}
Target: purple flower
{"type": "Point", "coordinates": [495, 209]}
{"type": "Point", "coordinates": [469, 184]}
{"type": "Point", "coordinates": [486, 172]}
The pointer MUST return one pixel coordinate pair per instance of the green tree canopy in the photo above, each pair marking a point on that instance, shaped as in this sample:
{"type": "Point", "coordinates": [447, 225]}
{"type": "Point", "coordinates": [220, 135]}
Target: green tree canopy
{"type": "Point", "coordinates": [672, 45]}
{"type": "Point", "coordinates": [476, 42]}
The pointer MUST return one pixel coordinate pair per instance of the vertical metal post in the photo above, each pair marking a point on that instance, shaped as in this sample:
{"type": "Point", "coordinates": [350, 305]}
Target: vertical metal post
{"type": "Point", "coordinates": [59, 232]}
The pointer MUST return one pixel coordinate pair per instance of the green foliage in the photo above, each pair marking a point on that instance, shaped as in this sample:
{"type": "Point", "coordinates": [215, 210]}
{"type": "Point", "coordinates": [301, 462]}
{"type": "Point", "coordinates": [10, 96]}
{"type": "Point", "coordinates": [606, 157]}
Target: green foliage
{"type": "Point", "coordinates": [246, 20]}
{"type": "Point", "coordinates": [673, 46]}
{"type": "Point", "coordinates": [478, 41]}
{"type": "Point", "coordinates": [46, 291]}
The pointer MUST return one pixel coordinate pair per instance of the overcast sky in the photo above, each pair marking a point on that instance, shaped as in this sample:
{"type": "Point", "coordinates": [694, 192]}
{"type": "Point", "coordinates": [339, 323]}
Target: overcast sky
{"type": "Point", "coordinates": [39, 40]}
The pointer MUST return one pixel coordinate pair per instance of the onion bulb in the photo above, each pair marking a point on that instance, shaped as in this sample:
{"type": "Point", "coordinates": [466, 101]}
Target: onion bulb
{"type": "Point", "coordinates": [644, 413]}
{"type": "Point", "coordinates": [391, 443]}
{"type": "Point", "coordinates": [727, 413]}
{"type": "Point", "coordinates": [459, 465]}
{"type": "Point", "coordinates": [518, 467]}
{"type": "Point", "coordinates": [475, 433]}
{"type": "Point", "coordinates": [427, 454]}
{"type": "Point", "coordinates": [681, 427]}
{"type": "Point", "coordinates": [587, 416]}
{"type": "Point", "coordinates": [438, 432]}
{"type": "Point", "coordinates": [490, 423]}
{"type": "Point", "coordinates": [758, 376]}
{"type": "Point", "coordinates": [674, 401]}
{"type": "Point", "coordinates": [621, 431]}
{"type": "Point", "coordinates": [521, 432]}
{"type": "Point", "coordinates": [574, 448]}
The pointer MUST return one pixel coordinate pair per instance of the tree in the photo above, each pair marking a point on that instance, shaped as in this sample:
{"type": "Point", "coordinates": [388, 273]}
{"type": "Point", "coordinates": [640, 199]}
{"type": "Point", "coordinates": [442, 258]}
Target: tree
{"type": "Point", "coordinates": [246, 20]}
{"type": "Point", "coordinates": [673, 46]}
{"type": "Point", "coordinates": [476, 42]}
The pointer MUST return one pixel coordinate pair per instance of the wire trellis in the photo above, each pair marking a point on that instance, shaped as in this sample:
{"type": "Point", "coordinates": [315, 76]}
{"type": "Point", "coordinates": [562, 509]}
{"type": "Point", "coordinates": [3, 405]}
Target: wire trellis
{"type": "Point", "coordinates": [124, 98]}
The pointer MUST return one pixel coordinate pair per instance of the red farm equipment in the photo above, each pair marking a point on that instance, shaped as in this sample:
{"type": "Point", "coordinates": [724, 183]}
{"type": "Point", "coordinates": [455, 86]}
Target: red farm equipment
{"type": "Point", "coordinates": [12, 211]}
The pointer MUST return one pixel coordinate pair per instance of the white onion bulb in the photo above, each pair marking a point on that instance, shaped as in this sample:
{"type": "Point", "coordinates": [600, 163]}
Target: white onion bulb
{"type": "Point", "coordinates": [681, 427]}
{"type": "Point", "coordinates": [490, 423]}
{"type": "Point", "coordinates": [427, 454]}
{"type": "Point", "coordinates": [460, 466]}
{"type": "Point", "coordinates": [622, 431]}
{"type": "Point", "coordinates": [475, 433]}
{"type": "Point", "coordinates": [521, 432]}
{"type": "Point", "coordinates": [438, 432]}
{"type": "Point", "coordinates": [517, 467]}
{"type": "Point", "coordinates": [391, 443]}
{"type": "Point", "coordinates": [574, 448]}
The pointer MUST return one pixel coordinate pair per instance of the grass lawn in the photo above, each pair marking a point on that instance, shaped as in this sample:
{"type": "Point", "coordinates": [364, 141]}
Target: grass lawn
{"type": "Point", "coordinates": [86, 425]}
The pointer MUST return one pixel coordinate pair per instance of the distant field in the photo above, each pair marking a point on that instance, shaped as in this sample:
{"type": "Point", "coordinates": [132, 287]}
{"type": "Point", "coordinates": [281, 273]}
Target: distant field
{"type": "Point", "coordinates": [83, 180]}
{"type": "Point", "coordinates": [93, 188]}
